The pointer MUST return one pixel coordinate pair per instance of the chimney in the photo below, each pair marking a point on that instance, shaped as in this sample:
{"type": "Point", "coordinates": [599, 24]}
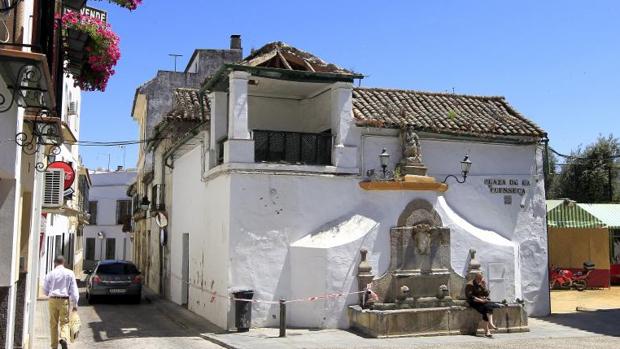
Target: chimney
{"type": "Point", "coordinates": [235, 42]}
{"type": "Point", "coordinates": [119, 168]}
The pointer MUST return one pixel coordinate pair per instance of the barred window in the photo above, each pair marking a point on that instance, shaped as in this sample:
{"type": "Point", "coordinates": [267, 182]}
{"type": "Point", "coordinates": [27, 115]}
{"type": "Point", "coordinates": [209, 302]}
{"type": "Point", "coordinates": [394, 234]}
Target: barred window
{"type": "Point", "coordinates": [293, 147]}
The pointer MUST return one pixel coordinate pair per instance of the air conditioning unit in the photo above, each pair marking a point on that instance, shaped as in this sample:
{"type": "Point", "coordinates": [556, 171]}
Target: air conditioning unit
{"type": "Point", "coordinates": [53, 194]}
{"type": "Point", "coordinates": [72, 109]}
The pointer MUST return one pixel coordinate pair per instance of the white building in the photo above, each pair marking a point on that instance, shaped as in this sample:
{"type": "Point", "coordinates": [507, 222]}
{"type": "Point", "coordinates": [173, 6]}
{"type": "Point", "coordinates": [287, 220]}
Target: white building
{"type": "Point", "coordinates": [34, 123]}
{"type": "Point", "coordinates": [63, 221]}
{"type": "Point", "coordinates": [274, 196]}
{"type": "Point", "coordinates": [106, 236]}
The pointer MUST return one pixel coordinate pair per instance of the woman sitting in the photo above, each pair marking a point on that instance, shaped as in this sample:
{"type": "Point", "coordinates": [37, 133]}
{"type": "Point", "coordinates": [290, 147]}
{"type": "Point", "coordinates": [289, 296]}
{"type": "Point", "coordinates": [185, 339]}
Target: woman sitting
{"type": "Point", "coordinates": [477, 295]}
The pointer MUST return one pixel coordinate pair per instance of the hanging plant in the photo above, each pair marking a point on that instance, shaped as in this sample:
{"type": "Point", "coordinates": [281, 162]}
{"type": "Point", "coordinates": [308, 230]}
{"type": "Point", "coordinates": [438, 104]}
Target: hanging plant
{"type": "Point", "coordinates": [101, 52]}
{"type": "Point", "coordinates": [129, 4]}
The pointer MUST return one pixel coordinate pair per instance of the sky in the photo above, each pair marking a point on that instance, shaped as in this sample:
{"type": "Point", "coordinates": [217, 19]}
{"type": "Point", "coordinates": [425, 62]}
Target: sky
{"type": "Point", "coordinates": [557, 62]}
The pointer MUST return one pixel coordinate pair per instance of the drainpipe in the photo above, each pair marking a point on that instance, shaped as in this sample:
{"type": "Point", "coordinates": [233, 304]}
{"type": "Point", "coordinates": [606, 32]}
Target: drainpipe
{"type": "Point", "coordinates": [162, 287]}
{"type": "Point", "coordinates": [545, 140]}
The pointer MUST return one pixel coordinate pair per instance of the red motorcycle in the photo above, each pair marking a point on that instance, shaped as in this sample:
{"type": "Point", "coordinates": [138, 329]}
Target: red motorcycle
{"type": "Point", "coordinates": [566, 279]}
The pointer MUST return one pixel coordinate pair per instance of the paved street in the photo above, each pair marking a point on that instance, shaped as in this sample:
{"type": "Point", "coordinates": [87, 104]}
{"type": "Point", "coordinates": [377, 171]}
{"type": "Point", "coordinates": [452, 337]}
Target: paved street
{"type": "Point", "coordinates": [567, 301]}
{"type": "Point", "coordinates": [121, 325]}
{"type": "Point", "coordinates": [160, 324]}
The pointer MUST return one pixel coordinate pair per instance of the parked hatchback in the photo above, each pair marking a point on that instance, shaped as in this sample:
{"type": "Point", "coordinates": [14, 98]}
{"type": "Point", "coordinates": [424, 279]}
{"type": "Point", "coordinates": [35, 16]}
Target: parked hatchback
{"type": "Point", "coordinates": [114, 278]}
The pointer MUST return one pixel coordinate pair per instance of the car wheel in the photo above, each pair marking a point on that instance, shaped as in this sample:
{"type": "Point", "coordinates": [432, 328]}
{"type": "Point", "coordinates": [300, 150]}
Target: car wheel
{"type": "Point", "coordinates": [136, 299]}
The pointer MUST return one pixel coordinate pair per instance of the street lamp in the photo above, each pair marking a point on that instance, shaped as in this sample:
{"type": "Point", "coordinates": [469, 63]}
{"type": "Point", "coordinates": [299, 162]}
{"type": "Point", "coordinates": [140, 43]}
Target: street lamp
{"type": "Point", "coordinates": [145, 203]}
{"type": "Point", "coordinates": [384, 159]}
{"type": "Point", "coordinates": [465, 167]}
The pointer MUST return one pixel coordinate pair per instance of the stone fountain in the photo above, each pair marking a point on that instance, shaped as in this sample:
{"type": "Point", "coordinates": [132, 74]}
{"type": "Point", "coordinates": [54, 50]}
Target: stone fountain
{"type": "Point", "coordinates": [420, 294]}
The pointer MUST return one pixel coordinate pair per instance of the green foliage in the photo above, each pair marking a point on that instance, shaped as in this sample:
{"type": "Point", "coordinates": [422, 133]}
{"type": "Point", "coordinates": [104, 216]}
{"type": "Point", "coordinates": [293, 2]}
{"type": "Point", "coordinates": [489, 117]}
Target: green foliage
{"type": "Point", "coordinates": [586, 175]}
{"type": "Point", "coordinates": [397, 172]}
{"type": "Point", "coordinates": [452, 115]}
{"type": "Point", "coordinates": [551, 175]}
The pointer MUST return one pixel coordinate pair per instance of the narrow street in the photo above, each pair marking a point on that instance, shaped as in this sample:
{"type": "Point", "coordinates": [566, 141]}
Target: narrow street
{"type": "Point", "coordinates": [118, 324]}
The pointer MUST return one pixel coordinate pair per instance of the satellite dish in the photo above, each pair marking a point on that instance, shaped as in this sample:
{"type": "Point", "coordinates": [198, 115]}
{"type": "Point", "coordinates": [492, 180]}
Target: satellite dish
{"type": "Point", "coordinates": [161, 220]}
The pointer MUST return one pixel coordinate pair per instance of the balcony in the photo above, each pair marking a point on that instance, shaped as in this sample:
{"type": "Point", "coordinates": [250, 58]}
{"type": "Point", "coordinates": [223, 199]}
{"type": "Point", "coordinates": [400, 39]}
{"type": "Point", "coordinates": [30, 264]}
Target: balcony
{"type": "Point", "coordinates": [292, 147]}
{"type": "Point", "coordinates": [29, 64]}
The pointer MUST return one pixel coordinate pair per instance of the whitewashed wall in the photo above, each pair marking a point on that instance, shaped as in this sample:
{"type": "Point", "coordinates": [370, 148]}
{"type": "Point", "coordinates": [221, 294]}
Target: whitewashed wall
{"type": "Point", "coordinates": [250, 230]}
{"type": "Point", "coordinates": [203, 211]}
{"type": "Point", "coordinates": [107, 188]}
{"type": "Point", "coordinates": [285, 114]}
{"type": "Point", "coordinates": [123, 248]}
{"type": "Point", "coordinates": [273, 212]}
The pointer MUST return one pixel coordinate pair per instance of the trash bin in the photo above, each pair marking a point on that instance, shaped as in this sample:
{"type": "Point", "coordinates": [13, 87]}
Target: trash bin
{"type": "Point", "coordinates": [243, 310]}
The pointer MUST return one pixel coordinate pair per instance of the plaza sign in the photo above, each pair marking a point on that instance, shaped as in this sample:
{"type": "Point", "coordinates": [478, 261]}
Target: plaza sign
{"type": "Point", "coordinates": [507, 186]}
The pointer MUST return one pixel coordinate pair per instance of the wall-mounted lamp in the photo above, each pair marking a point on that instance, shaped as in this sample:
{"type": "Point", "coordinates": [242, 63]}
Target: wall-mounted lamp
{"type": "Point", "coordinates": [465, 167]}
{"type": "Point", "coordinates": [385, 174]}
{"type": "Point", "coordinates": [384, 160]}
{"type": "Point", "coordinates": [145, 203]}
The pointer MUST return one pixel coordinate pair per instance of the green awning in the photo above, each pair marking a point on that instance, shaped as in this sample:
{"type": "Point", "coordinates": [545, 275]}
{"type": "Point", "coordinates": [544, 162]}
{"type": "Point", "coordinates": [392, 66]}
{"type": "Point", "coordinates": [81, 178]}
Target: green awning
{"type": "Point", "coordinates": [609, 214]}
{"type": "Point", "coordinates": [571, 215]}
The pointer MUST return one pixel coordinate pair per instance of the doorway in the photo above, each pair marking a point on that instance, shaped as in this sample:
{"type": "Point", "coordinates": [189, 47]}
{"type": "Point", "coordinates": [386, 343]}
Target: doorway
{"type": "Point", "coordinates": [185, 271]}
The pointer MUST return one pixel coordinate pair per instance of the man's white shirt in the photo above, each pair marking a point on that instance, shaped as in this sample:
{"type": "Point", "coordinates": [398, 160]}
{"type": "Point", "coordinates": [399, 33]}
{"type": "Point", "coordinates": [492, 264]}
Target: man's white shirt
{"type": "Point", "coordinates": [61, 282]}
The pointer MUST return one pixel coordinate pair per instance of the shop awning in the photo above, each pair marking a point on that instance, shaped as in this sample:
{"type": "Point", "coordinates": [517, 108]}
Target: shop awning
{"type": "Point", "coordinates": [609, 214]}
{"type": "Point", "coordinates": [569, 214]}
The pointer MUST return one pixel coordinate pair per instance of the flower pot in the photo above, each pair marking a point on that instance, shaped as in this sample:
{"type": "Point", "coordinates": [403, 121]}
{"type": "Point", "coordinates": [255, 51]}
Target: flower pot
{"type": "Point", "coordinates": [77, 35]}
{"type": "Point", "coordinates": [75, 5]}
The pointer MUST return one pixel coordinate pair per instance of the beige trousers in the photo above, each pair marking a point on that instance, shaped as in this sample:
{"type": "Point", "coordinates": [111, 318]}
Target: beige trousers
{"type": "Point", "coordinates": [59, 317]}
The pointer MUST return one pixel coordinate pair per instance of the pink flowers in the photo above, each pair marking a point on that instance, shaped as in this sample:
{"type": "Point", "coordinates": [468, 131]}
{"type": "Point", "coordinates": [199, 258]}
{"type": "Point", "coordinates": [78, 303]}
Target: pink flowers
{"type": "Point", "coordinates": [101, 52]}
{"type": "Point", "coordinates": [129, 4]}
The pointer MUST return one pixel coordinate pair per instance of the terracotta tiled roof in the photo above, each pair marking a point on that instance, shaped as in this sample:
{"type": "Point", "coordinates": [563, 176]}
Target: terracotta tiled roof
{"type": "Point", "coordinates": [187, 106]}
{"type": "Point", "coordinates": [281, 55]}
{"type": "Point", "coordinates": [441, 113]}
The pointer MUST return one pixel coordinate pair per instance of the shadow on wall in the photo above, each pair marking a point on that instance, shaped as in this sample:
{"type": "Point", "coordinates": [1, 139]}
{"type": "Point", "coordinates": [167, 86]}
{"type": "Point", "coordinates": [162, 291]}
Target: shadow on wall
{"type": "Point", "coordinates": [603, 322]}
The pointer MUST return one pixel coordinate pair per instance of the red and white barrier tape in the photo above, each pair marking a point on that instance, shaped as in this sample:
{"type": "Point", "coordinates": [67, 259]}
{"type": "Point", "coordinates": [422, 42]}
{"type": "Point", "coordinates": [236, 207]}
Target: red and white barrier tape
{"type": "Point", "coordinates": [215, 295]}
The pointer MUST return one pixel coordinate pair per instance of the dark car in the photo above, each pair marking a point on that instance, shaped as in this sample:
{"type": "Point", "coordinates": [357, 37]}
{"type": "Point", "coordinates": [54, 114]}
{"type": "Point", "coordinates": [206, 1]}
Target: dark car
{"type": "Point", "coordinates": [114, 278]}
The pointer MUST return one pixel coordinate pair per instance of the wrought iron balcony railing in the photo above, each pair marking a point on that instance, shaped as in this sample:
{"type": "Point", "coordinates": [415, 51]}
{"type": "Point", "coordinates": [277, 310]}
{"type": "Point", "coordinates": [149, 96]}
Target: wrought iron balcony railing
{"type": "Point", "coordinates": [292, 147]}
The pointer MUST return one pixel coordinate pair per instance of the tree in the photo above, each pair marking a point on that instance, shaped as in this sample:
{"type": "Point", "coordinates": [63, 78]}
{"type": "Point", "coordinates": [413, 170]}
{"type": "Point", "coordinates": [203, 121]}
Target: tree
{"type": "Point", "coordinates": [589, 175]}
{"type": "Point", "coordinates": [551, 175]}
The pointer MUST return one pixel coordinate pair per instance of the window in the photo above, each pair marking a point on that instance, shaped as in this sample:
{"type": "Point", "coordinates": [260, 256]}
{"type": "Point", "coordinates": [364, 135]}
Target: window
{"type": "Point", "coordinates": [123, 211]}
{"type": "Point", "coordinates": [110, 248]}
{"type": "Point", "coordinates": [92, 209]}
{"type": "Point", "coordinates": [293, 147]}
{"type": "Point", "coordinates": [58, 246]}
{"type": "Point", "coordinates": [79, 236]}
{"type": "Point", "coordinates": [89, 253]}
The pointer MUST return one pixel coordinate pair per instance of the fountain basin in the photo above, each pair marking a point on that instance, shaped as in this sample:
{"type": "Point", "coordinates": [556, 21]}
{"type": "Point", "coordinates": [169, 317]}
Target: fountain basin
{"type": "Point", "coordinates": [437, 321]}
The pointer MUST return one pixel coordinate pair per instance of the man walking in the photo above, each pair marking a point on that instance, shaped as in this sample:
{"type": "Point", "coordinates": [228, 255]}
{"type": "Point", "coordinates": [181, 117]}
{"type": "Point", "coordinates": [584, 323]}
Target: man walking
{"type": "Point", "coordinates": [61, 288]}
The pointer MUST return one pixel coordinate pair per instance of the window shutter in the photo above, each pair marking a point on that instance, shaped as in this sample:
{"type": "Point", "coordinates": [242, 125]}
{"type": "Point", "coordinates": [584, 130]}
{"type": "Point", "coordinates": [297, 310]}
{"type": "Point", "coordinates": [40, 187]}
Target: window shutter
{"type": "Point", "coordinates": [72, 108]}
{"type": "Point", "coordinates": [53, 195]}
